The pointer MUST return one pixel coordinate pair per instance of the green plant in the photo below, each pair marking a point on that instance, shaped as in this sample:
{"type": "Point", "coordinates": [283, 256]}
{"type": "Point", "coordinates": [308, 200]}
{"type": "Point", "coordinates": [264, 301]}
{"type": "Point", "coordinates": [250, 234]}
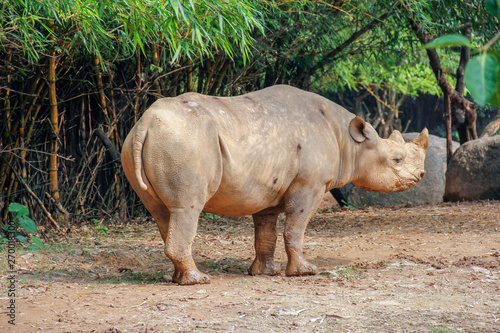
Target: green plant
{"type": "Point", "coordinates": [23, 227]}
{"type": "Point", "coordinates": [349, 205]}
{"type": "Point", "coordinates": [482, 74]}
{"type": "Point", "coordinates": [443, 330]}
{"type": "Point", "coordinates": [99, 229]}
{"type": "Point", "coordinates": [209, 216]}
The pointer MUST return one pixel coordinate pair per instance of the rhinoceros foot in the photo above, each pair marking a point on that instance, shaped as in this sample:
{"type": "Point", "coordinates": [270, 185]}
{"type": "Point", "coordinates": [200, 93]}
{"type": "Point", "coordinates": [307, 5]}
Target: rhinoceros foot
{"type": "Point", "coordinates": [301, 267]}
{"type": "Point", "coordinates": [190, 277]}
{"type": "Point", "coordinates": [264, 267]}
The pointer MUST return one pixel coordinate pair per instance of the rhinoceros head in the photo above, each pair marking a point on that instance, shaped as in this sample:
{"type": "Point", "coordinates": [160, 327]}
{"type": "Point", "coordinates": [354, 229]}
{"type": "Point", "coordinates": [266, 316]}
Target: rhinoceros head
{"type": "Point", "coordinates": [387, 165]}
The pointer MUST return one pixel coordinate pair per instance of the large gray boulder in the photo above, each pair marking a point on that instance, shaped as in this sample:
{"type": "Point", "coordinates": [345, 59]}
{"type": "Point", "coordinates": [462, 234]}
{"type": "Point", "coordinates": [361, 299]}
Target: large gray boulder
{"type": "Point", "coordinates": [474, 171]}
{"type": "Point", "coordinates": [429, 190]}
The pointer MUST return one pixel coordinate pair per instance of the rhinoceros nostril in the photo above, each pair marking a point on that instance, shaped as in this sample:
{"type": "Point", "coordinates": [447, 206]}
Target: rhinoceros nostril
{"type": "Point", "coordinates": [422, 174]}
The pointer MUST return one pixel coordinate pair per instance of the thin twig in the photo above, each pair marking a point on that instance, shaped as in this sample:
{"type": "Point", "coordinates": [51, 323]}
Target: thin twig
{"type": "Point", "coordinates": [70, 159]}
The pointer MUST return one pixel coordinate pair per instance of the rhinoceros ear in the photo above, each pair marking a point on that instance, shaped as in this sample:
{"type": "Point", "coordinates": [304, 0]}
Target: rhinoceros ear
{"type": "Point", "coordinates": [358, 130]}
{"type": "Point", "coordinates": [422, 140]}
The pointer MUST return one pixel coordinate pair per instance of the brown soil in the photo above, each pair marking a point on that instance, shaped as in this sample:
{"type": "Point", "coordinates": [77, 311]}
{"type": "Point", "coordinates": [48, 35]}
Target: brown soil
{"type": "Point", "coordinates": [404, 269]}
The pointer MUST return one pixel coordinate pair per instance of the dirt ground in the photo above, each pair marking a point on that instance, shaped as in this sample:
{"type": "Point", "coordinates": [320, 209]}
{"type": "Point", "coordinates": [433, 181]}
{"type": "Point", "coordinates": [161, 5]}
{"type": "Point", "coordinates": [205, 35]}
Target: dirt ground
{"type": "Point", "coordinates": [405, 269]}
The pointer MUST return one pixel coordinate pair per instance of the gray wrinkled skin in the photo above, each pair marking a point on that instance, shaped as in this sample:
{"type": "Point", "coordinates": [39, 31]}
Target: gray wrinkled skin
{"type": "Point", "coordinates": [263, 153]}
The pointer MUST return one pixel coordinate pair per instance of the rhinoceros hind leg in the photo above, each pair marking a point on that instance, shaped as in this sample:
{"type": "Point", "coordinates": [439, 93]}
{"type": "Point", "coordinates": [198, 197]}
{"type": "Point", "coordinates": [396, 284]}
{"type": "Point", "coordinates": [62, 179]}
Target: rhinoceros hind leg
{"type": "Point", "coordinates": [265, 245]}
{"type": "Point", "coordinates": [181, 232]}
{"type": "Point", "coordinates": [300, 207]}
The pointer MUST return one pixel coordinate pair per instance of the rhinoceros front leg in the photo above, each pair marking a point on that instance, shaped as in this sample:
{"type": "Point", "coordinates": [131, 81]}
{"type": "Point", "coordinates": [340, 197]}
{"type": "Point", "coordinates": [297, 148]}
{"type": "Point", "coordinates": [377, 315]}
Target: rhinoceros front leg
{"type": "Point", "coordinates": [265, 244]}
{"type": "Point", "coordinates": [178, 244]}
{"type": "Point", "coordinates": [300, 207]}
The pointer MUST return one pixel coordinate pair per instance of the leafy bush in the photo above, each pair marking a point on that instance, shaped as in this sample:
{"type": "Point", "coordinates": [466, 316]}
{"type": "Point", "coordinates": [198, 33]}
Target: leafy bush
{"type": "Point", "coordinates": [25, 227]}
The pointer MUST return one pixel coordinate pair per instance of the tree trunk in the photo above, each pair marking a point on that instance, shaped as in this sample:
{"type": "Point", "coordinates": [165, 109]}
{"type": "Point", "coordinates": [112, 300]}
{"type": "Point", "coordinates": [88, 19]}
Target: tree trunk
{"type": "Point", "coordinates": [448, 123]}
{"type": "Point", "coordinates": [464, 121]}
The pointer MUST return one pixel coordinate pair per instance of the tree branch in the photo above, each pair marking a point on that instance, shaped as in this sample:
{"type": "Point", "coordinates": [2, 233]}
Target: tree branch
{"type": "Point", "coordinates": [327, 58]}
{"type": "Point", "coordinates": [425, 37]}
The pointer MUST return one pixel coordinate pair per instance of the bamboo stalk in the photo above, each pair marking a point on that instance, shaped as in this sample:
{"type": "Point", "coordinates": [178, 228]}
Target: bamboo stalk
{"type": "Point", "coordinates": [100, 86]}
{"type": "Point", "coordinates": [220, 76]}
{"type": "Point", "coordinates": [189, 86]}
{"type": "Point", "coordinates": [201, 76]}
{"type": "Point", "coordinates": [208, 83]}
{"type": "Point", "coordinates": [156, 59]}
{"type": "Point", "coordinates": [54, 139]}
{"type": "Point", "coordinates": [138, 87]}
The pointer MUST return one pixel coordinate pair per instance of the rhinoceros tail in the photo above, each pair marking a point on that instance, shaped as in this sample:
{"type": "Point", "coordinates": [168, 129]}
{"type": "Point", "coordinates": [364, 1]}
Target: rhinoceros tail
{"type": "Point", "coordinates": [137, 145]}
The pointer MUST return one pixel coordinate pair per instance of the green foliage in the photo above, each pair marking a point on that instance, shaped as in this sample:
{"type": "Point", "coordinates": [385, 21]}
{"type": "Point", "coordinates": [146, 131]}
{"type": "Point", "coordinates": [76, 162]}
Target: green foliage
{"type": "Point", "coordinates": [443, 330]}
{"type": "Point", "coordinates": [389, 59]}
{"type": "Point", "coordinates": [349, 205]}
{"type": "Point", "coordinates": [493, 6]}
{"type": "Point", "coordinates": [482, 78]}
{"type": "Point", "coordinates": [99, 228]}
{"type": "Point", "coordinates": [24, 227]}
{"type": "Point", "coordinates": [117, 28]}
{"type": "Point", "coordinates": [209, 216]}
{"type": "Point", "coordinates": [102, 229]}
{"type": "Point", "coordinates": [482, 75]}
{"type": "Point", "coordinates": [406, 74]}
{"type": "Point", "coordinates": [448, 40]}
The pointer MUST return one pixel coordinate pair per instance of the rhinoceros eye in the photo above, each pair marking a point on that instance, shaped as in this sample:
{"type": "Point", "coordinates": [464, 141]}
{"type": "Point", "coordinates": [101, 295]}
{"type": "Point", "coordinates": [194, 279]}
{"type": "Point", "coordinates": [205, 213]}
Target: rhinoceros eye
{"type": "Point", "coordinates": [398, 160]}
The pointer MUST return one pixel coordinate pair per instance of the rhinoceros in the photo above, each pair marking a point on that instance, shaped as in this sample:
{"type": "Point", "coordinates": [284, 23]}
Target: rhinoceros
{"type": "Point", "coordinates": [263, 153]}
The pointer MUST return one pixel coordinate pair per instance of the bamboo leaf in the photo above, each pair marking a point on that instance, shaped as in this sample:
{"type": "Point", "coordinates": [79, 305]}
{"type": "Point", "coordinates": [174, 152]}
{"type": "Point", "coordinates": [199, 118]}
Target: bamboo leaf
{"type": "Point", "coordinates": [177, 53]}
{"type": "Point", "coordinates": [447, 41]}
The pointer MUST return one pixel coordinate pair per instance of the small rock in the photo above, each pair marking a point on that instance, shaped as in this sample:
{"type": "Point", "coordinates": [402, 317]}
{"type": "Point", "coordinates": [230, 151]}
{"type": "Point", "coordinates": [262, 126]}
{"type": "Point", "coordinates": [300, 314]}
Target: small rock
{"type": "Point", "coordinates": [162, 306]}
{"type": "Point", "coordinates": [290, 312]}
{"type": "Point", "coordinates": [480, 270]}
{"type": "Point", "coordinates": [27, 256]}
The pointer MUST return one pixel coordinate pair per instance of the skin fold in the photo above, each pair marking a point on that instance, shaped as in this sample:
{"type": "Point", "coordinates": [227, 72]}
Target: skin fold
{"type": "Point", "coordinates": [277, 150]}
